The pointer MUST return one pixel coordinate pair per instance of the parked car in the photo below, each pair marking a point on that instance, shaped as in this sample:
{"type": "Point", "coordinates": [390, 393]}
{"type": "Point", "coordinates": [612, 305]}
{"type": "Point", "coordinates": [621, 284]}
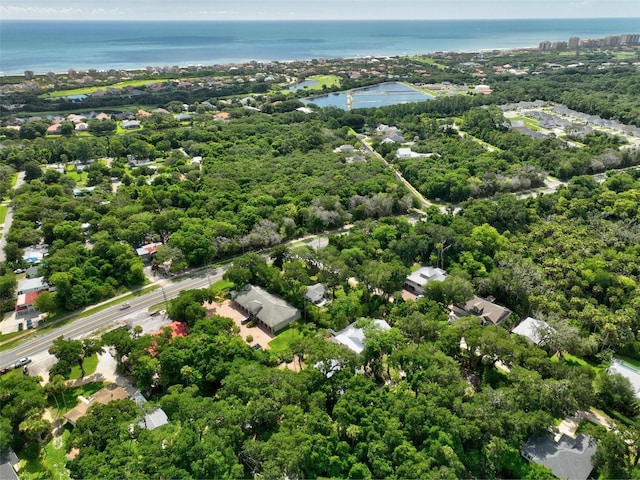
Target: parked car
{"type": "Point", "coordinates": [18, 270]}
{"type": "Point", "coordinates": [124, 306]}
{"type": "Point", "coordinates": [22, 362]}
{"type": "Point", "coordinates": [257, 346]}
{"type": "Point", "coordinates": [245, 320]}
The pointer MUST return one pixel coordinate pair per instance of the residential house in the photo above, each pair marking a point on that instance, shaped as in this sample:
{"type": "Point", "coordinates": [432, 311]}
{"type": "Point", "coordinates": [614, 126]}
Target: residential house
{"type": "Point", "coordinates": [353, 337]}
{"type": "Point", "coordinates": [489, 312]}
{"type": "Point", "coordinates": [268, 310]}
{"type": "Point", "coordinates": [154, 419]}
{"type": "Point", "coordinates": [28, 285]}
{"type": "Point", "coordinates": [183, 117]}
{"type": "Point", "coordinates": [34, 255]}
{"type": "Point", "coordinates": [534, 330]}
{"type": "Point", "coordinates": [54, 129]}
{"type": "Point", "coordinates": [417, 280]}
{"type": "Point", "coordinates": [146, 252]}
{"type": "Point", "coordinates": [9, 464]}
{"type": "Point", "coordinates": [103, 116]}
{"type": "Point", "coordinates": [315, 294]}
{"type": "Point", "coordinates": [628, 372]}
{"type": "Point", "coordinates": [82, 127]}
{"type": "Point", "coordinates": [25, 301]}
{"type": "Point", "coordinates": [107, 394]}
{"type": "Point", "coordinates": [130, 124]}
{"type": "Point", "coordinates": [567, 457]}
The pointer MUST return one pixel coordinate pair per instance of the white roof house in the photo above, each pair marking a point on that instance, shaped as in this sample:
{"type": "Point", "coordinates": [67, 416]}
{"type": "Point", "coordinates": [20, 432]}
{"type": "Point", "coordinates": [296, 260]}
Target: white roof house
{"type": "Point", "coordinates": [28, 285]}
{"type": "Point", "coordinates": [532, 329]}
{"type": "Point", "coordinates": [418, 279]}
{"type": "Point", "coordinates": [353, 337]}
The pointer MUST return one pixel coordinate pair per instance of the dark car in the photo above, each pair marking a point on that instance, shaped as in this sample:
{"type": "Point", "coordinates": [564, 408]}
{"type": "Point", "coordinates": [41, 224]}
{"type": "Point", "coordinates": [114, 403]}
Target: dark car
{"type": "Point", "coordinates": [245, 320]}
{"type": "Point", "coordinates": [257, 346]}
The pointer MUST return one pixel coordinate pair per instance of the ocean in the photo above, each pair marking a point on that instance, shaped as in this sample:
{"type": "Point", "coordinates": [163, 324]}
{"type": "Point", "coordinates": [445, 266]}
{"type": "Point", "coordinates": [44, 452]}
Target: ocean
{"type": "Point", "coordinates": [43, 46]}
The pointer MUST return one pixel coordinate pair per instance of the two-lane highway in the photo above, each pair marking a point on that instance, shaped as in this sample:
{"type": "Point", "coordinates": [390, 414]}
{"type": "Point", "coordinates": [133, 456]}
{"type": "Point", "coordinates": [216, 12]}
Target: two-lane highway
{"type": "Point", "coordinates": [107, 318]}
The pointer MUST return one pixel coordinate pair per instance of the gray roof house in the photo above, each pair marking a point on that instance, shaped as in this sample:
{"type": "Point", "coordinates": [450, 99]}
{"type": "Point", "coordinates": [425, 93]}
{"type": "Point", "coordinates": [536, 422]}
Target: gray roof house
{"type": "Point", "coordinates": [417, 280]}
{"type": "Point", "coordinates": [353, 337]}
{"type": "Point", "coordinates": [154, 419]}
{"type": "Point", "coordinates": [9, 464]}
{"type": "Point", "coordinates": [534, 330]}
{"type": "Point", "coordinates": [270, 311]}
{"type": "Point", "coordinates": [489, 312]}
{"type": "Point", "coordinates": [567, 457]}
{"type": "Point", "coordinates": [315, 293]}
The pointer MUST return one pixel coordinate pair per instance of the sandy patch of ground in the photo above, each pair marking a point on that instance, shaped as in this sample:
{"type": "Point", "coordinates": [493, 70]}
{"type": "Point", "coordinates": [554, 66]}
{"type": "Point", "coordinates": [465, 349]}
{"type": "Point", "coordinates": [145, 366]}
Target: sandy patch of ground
{"type": "Point", "coordinates": [407, 295]}
{"type": "Point", "coordinates": [226, 309]}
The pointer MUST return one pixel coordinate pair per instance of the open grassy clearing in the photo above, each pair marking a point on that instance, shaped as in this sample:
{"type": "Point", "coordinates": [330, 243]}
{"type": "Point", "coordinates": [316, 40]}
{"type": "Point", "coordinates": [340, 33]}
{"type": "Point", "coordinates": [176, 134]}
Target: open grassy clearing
{"type": "Point", "coordinates": [79, 177]}
{"type": "Point", "coordinates": [3, 212]}
{"type": "Point", "coordinates": [427, 61]}
{"type": "Point", "coordinates": [95, 88]}
{"type": "Point", "coordinates": [48, 464]}
{"type": "Point", "coordinates": [284, 339]}
{"type": "Point", "coordinates": [90, 364]}
{"type": "Point", "coordinates": [530, 123]}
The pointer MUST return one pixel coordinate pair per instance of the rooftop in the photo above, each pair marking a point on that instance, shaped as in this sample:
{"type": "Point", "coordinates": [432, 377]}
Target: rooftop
{"type": "Point", "coordinates": [353, 337]}
{"type": "Point", "coordinates": [567, 457]}
{"type": "Point", "coordinates": [532, 329]}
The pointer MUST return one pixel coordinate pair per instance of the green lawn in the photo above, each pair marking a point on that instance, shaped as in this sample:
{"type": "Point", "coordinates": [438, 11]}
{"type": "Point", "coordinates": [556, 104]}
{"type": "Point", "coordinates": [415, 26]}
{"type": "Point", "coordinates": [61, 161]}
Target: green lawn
{"type": "Point", "coordinates": [14, 179]}
{"type": "Point", "coordinates": [284, 339]}
{"type": "Point", "coordinates": [221, 286]}
{"type": "Point", "coordinates": [69, 398]}
{"type": "Point", "coordinates": [528, 122]}
{"type": "Point", "coordinates": [93, 89]}
{"type": "Point", "coordinates": [328, 80]}
{"type": "Point", "coordinates": [50, 464]}
{"type": "Point", "coordinates": [3, 212]}
{"type": "Point", "coordinates": [79, 177]}
{"type": "Point", "coordinates": [90, 364]}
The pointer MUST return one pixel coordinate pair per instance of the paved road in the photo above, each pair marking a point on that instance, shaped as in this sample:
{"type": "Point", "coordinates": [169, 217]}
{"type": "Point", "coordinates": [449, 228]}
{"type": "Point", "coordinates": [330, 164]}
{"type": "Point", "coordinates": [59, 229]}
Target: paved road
{"type": "Point", "coordinates": [106, 319]}
{"type": "Point", "coordinates": [8, 220]}
{"type": "Point", "coordinates": [423, 201]}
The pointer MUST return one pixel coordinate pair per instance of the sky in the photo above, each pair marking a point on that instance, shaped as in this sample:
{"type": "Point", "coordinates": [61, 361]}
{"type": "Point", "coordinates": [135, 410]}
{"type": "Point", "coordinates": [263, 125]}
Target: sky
{"type": "Point", "coordinates": [313, 9]}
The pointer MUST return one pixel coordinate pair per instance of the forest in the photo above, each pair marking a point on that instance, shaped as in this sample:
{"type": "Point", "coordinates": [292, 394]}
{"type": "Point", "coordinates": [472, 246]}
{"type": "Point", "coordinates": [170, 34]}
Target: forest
{"type": "Point", "coordinates": [428, 398]}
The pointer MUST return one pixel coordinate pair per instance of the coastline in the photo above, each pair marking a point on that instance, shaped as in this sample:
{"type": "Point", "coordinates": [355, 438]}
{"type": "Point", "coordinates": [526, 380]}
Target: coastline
{"type": "Point", "coordinates": [43, 46]}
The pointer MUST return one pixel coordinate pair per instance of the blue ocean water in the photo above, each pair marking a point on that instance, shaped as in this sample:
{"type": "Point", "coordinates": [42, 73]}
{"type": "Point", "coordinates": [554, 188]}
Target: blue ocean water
{"type": "Point", "coordinates": [44, 46]}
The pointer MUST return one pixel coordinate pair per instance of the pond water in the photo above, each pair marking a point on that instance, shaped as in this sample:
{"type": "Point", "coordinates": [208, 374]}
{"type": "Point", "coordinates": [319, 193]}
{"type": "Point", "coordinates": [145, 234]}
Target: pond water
{"type": "Point", "coordinates": [303, 85]}
{"type": "Point", "coordinates": [381, 95]}
{"type": "Point", "coordinates": [75, 97]}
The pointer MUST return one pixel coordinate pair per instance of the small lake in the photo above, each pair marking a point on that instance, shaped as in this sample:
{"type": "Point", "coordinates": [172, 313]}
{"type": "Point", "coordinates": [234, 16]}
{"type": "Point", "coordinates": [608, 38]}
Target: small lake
{"type": "Point", "coordinates": [381, 95]}
{"type": "Point", "coordinates": [303, 85]}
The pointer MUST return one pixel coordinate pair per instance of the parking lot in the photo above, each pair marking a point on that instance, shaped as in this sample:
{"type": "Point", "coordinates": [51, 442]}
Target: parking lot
{"type": "Point", "coordinates": [259, 335]}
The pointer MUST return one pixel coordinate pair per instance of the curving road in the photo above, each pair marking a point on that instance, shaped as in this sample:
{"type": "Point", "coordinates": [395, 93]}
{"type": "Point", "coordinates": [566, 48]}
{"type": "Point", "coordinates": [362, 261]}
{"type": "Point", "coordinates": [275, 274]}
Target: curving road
{"type": "Point", "coordinates": [107, 319]}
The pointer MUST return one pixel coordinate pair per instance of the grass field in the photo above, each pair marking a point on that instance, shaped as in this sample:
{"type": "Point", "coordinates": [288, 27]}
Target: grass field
{"type": "Point", "coordinates": [427, 61]}
{"type": "Point", "coordinates": [530, 123]}
{"type": "Point", "coordinates": [322, 81]}
{"type": "Point", "coordinates": [50, 463]}
{"type": "Point", "coordinates": [90, 364]}
{"type": "Point", "coordinates": [3, 212]}
{"type": "Point", "coordinates": [284, 339]}
{"type": "Point", "coordinates": [69, 399]}
{"type": "Point", "coordinates": [93, 89]}
{"type": "Point", "coordinates": [79, 177]}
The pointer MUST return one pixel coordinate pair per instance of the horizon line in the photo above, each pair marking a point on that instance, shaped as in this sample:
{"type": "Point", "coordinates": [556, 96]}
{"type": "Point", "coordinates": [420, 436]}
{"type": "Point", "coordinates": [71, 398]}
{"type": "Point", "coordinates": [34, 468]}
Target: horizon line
{"type": "Point", "coordinates": [307, 19]}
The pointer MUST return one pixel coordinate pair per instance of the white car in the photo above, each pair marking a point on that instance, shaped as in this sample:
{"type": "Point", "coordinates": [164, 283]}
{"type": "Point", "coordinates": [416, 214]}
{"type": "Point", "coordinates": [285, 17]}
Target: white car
{"type": "Point", "coordinates": [124, 306]}
{"type": "Point", "coordinates": [22, 362]}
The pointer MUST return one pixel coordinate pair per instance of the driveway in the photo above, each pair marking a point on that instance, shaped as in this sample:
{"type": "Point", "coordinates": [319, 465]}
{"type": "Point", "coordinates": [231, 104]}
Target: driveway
{"type": "Point", "coordinates": [225, 309]}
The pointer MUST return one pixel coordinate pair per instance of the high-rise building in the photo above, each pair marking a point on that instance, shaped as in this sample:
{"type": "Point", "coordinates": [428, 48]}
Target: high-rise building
{"type": "Point", "coordinates": [544, 46]}
{"type": "Point", "coordinates": [574, 43]}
